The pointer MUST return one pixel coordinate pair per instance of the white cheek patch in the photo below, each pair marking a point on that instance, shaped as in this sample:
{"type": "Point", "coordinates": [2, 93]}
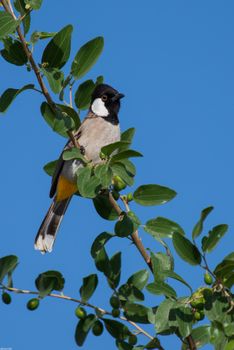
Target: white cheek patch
{"type": "Point", "coordinates": [98, 107]}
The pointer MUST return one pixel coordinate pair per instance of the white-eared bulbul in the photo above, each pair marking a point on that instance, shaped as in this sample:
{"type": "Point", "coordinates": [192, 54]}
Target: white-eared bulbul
{"type": "Point", "coordinates": [99, 128]}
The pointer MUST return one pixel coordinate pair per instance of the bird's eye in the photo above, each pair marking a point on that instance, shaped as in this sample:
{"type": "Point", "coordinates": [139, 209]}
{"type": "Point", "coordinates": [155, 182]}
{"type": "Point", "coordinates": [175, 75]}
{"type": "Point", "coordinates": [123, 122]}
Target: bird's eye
{"type": "Point", "coordinates": [104, 98]}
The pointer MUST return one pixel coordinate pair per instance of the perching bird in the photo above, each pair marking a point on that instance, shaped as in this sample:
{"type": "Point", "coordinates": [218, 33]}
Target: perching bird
{"type": "Point", "coordinates": [99, 128]}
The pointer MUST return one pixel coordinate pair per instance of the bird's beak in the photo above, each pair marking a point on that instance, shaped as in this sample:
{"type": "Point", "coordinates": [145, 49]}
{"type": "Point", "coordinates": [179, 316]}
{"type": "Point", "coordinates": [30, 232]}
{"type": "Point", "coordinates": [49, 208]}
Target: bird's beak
{"type": "Point", "coordinates": [117, 97]}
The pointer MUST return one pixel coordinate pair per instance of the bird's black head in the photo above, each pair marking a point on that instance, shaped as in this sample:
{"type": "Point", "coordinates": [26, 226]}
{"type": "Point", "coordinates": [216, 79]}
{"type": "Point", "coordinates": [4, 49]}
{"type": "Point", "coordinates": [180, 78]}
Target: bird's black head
{"type": "Point", "coordinates": [105, 101]}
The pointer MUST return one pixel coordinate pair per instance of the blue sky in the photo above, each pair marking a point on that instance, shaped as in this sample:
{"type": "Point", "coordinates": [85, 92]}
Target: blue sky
{"type": "Point", "coordinates": [174, 62]}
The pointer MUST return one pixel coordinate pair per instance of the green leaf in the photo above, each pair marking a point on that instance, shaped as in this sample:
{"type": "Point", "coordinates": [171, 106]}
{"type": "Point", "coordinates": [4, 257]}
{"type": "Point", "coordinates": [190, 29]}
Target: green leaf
{"type": "Point", "coordinates": [41, 36]}
{"type": "Point", "coordinates": [229, 345]}
{"type": "Point", "coordinates": [48, 281]}
{"type": "Point", "coordinates": [7, 24]}
{"type": "Point", "coordinates": [58, 120]}
{"type": "Point", "coordinates": [102, 261]}
{"type": "Point", "coordinates": [218, 311]}
{"type": "Point", "coordinates": [153, 344]}
{"type": "Point", "coordinates": [120, 170]}
{"type": "Point", "coordinates": [197, 230]}
{"type": "Point", "coordinates": [34, 4]}
{"type": "Point", "coordinates": [55, 78]}
{"type": "Point", "coordinates": [115, 270]}
{"type": "Point", "coordinates": [161, 288]}
{"type": "Point", "coordinates": [175, 276]}
{"type": "Point", "coordinates": [125, 154]}
{"type": "Point", "coordinates": [135, 220]}
{"type": "Point", "coordinates": [115, 328]}
{"type": "Point", "coordinates": [58, 49]}
{"type": "Point", "coordinates": [129, 166]}
{"type": "Point", "coordinates": [214, 236]}
{"type": "Point", "coordinates": [162, 315]}
{"type": "Point", "coordinates": [139, 279]}
{"type": "Point", "coordinates": [9, 95]}
{"type": "Point", "coordinates": [67, 110]}
{"type": "Point", "coordinates": [100, 242]}
{"type": "Point", "coordinates": [184, 318]}
{"type": "Point", "coordinates": [127, 136]}
{"type": "Point", "coordinates": [13, 52]}
{"type": "Point", "coordinates": [124, 227]}
{"type": "Point", "coordinates": [104, 208]}
{"type": "Point", "coordinates": [73, 153]}
{"type": "Point", "coordinates": [89, 286]}
{"type": "Point", "coordinates": [201, 337]}
{"type": "Point", "coordinates": [88, 185]}
{"type": "Point", "coordinates": [153, 195]}
{"type": "Point", "coordinates": [113, 147]}
{"type": "Point", "coordinates": [136, 312]}
{"type": "Point", "coordinates": [50, 167]}
{"type": "Point", "coordinates": [128, 292]}
{"type": "Point", "coordinates": [86, 57]}
{"type": "Point", "coordinates": [83, 327]}
{"type": "Point", "coordinates": [83, 94]}
{"type": "Point", "coordinates": [161, 263]}
{"type": "Point", "coordinates": [7, 264]}
{"type": "Point", "coordinates": [186, 250]}
{"type": "Point", "coordinates": [123, 345]}
{"type": "Point", "coordinates": [104, 173]}
{"type": "Point", "coordinates": [225, 267]}
{"type": "Point", "coordinates": [162, 227]}
{"type": "Point", "coordinates": [20, 7]}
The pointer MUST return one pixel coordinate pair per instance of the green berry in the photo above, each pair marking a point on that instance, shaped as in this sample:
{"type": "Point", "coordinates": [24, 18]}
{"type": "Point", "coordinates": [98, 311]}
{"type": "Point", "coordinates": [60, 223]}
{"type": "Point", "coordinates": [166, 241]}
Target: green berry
{"type": "Point", "coordinates": [102, 155]}
{"type": "Point", "coordinates": [80, 312]}
{"type": "Point", "coordinates": [198, 303]}
{"type": "Point", "coordinates": [6, 298]}
{"type": "Point", "coordinates": [118, 183]}
{"type": "Point", "coordinates": [115, 312]}
{"type": "Point", "coordinates": [33, 304]}
{"type": "Point", "coordinates": [97, 328]}
{"type": "Point", "coordinates": [208, 278]}
{"type": "Point", "coordinates": [132, 339]}
{"type": "Point", "coordinates": [130, 197]}
{"type": "Point", "coordinates": [114, 302]}
{"type": "Point", "coordinates": [199, 315]}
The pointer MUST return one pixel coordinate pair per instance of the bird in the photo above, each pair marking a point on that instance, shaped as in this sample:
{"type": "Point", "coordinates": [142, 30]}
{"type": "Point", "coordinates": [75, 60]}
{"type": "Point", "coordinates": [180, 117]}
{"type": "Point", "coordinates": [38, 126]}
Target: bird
{"type": "Point", "coordinates": [99, 128]}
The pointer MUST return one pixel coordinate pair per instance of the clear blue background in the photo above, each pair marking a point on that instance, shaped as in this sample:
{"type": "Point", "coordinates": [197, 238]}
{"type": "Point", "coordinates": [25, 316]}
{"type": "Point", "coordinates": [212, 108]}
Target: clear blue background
{"type": "Point", "coordinates": [174, 62]}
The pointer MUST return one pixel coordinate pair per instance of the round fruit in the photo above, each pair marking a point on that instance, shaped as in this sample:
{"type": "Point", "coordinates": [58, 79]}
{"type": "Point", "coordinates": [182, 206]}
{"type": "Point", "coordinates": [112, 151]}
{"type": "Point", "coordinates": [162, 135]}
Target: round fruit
{"type": "Point", "coordinates": [207, 293]}
{"type": "Point", "coordinates": [114, 301]}
{"type": "Point", "coordinates": [118, 183]}
{"type": "Point", "coordinates": [102, 155]}
{"type": "Point", "coordinates": [33, 304]}
{"type": "Point", "coordinates": [199, 315]}
{"type": "Point", "coordinates": [208, 278]}
{"type": "Point", "coordinates": [130, 197]}
{"type": "Point", "coordinates": [115, 312]}
{"type": "Point", "coordinates": [132, 339]}
{"type": "Point", "coordinates": [97, 328]}
{"type": "Point", "coordinates": [6, 298]}
{"type": "Point", "coordinates": [198, 303]}
{"type": "Point", "coordinates": [80, 312]}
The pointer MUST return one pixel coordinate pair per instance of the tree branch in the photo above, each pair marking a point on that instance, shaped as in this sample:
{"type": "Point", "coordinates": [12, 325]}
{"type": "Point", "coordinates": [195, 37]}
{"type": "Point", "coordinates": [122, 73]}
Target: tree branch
{"type": "Point", "coordinates": [65, 297]}
{"type": "Point", "coordinates": [8, 8]}
{"type": "Point", "coordinates": [139, 245]}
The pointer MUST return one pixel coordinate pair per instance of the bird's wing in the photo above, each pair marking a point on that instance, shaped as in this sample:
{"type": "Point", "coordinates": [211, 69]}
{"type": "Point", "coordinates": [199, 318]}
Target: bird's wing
{"type": "Point", "coordinates": [60, 162]}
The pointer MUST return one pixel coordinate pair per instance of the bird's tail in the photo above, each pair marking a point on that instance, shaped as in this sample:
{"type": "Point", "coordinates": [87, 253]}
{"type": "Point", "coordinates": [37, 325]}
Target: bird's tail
{"type": "Point", "coordinates": [47, 232]}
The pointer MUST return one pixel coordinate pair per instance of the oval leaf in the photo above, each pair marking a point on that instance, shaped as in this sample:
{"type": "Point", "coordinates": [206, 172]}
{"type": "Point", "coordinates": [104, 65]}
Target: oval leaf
{"type": "Point", "coordinates": [160, 288]}
{"type": "Point", "coordinates": [162, 227]}
{"type": "Point", "coordinates": [89, 286]}
{"type": "Point", "coordinates": [9, 95]}
{"type": "Point", "coordinates": [50, 167]}
{"type": "Point", "coordinates": [86, 57]}
{"type": "Point", "coordinates": [58, 49]}
{"type": "Point", "coordinates": [125, 226]}
{"type": "Point", "coordinates": [199, 225]}
{"type": "Point", "coordinates": [7, 264]}
{"type": "Point", "coordinates": [153, 195]}
{"type": "Point", "coordinates": [7, 24]}
{"type": "Point", "coordinates": [83, 94]}
{"type": "Point", "coordinates": [104, 208]}
{"type": "Point", "coordinates": [213, 238]}
{"type": "Point", "coordinates": [186, 250]}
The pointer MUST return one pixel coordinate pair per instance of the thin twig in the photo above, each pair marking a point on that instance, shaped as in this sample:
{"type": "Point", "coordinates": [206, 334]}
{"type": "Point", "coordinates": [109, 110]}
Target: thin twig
{"type": "Point", "coordinates": [65, 297]}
